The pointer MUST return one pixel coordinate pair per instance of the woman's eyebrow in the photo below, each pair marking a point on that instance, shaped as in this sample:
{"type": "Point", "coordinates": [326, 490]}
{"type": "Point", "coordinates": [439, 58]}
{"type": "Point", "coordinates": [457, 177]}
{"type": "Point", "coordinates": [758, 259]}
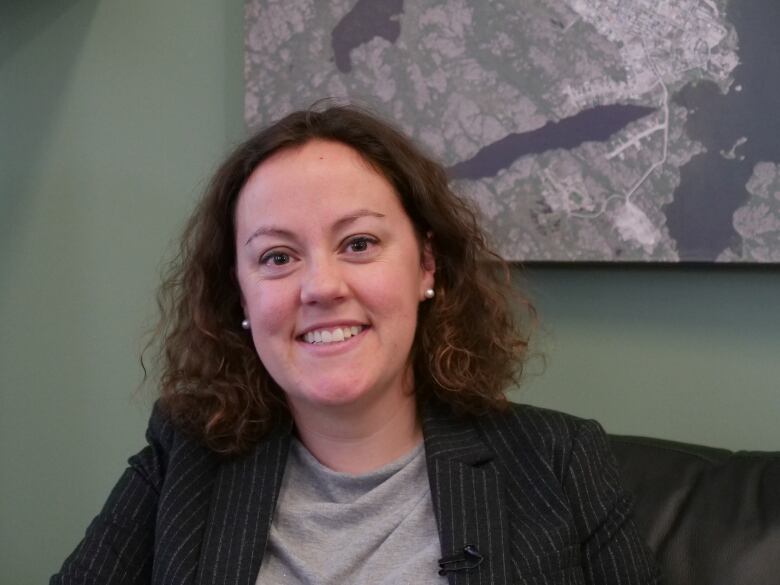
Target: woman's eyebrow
{"type": "Point", "coordinates": [340, 223]}
{"type": "Point", "coordinates": [270, 231]}
{"type": "Point", "coordinates": [357, 214]}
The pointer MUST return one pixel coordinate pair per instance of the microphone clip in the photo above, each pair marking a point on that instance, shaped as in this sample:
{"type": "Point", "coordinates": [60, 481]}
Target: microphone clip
{"type": "Point", "coordinates": [468, 558]}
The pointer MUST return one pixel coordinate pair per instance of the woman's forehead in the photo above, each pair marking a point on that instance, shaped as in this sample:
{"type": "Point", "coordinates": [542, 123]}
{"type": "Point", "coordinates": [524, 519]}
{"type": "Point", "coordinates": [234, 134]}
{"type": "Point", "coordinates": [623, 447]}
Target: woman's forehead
{"type": "Point", "coordinates": [321, 181]}
{"type": "Point", "coordinates": [316, 151]}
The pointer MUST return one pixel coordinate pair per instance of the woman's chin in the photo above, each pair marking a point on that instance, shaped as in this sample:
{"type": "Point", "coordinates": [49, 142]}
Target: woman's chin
{"type": "Point", "coordinates": [329, 397]}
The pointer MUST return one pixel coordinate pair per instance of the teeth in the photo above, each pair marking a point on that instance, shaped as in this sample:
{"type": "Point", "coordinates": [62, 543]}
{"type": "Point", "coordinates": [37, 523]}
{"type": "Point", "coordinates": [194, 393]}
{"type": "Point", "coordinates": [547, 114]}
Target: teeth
{"type": "Point", "coordinates": [332, 335]}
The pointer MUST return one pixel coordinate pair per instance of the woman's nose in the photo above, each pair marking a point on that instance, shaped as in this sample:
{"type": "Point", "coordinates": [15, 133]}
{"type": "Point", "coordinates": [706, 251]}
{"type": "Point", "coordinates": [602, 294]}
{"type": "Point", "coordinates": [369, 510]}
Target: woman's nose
{"type": "Point", "coordinates": [322, 282]}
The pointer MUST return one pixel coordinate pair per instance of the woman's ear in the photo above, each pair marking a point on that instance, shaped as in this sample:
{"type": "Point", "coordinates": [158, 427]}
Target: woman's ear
{"type": "Point", "coordinates": [428, 262]}
{"type": "Point", "coordinates": [428, 259]}
{"type": "Point", "coordinates": [240, 292]}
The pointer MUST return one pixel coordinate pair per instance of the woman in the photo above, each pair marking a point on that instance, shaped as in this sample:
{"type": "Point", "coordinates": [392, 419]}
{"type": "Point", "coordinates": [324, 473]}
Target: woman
{"type": "Point", "coordinates": [336, 339]}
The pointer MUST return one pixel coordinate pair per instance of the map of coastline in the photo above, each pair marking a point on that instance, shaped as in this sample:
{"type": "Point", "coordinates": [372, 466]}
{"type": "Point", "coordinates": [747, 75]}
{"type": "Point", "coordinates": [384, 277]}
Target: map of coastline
{"type": "Point", "coordinates": [595, 124]}
{"type": "Point", "coordinates": [584, 130]}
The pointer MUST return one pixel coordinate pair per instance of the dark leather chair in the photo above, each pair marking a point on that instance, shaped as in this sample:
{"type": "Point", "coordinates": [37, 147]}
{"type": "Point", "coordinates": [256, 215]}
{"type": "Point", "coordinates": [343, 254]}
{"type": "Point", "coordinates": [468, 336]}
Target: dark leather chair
{"type": "Point", "coordinates": [711, 516]}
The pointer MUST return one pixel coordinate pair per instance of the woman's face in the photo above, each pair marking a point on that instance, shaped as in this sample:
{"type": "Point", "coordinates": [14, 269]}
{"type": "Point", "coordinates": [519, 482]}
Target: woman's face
{"type": "Point", "coordinates": [331, 275]}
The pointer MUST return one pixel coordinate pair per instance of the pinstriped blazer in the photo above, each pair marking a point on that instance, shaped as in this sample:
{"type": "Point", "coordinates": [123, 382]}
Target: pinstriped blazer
{"type": "Point", "coordinates": [537, 492]}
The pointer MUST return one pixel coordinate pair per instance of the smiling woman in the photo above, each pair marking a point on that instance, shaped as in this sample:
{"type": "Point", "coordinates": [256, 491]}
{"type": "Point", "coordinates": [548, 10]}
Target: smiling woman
{"type": "Point", "coordinates": [324, 199]}
{"type": "Point", "coordinates": [351, 261]}
{"type": "Point", "coordinates": [336, 337]}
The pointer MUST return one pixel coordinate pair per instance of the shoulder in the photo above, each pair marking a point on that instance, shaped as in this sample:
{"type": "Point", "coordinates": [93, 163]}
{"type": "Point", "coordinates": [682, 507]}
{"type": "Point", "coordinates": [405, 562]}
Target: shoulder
{"type": "Point", "coordinates": [162, 434]}
{"type": "Point", "coordinates": [168, 450]}
{"type": "Point", "coordinates": [525, 433]}
{"type": "Point", "coordinates": [523, 424]}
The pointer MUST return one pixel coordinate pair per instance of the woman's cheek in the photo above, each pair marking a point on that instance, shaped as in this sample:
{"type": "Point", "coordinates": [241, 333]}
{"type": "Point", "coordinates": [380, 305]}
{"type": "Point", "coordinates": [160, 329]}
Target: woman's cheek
{"type": "Point", "coordinates": [273, 304]}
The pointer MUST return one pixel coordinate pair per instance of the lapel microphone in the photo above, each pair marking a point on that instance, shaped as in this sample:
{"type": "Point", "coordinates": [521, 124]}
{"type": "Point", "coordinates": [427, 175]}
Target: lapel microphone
{"type": "Point", "coordinates": [468, 558]}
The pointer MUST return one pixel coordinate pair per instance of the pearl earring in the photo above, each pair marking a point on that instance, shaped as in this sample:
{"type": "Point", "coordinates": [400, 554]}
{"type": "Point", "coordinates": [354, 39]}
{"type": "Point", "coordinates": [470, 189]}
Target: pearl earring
{"type": "Point", "coordinates": [429, 293]}
{"type": "Point", "coordinates": [245, 324]}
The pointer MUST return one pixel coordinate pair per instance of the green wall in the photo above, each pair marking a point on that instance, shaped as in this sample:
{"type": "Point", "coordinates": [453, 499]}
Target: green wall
{"type": "Point", "coordinates": [112, 116]}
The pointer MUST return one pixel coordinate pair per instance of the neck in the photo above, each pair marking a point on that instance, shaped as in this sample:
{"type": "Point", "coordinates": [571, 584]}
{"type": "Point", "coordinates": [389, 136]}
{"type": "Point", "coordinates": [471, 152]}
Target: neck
{"type": "Point", "coordinates": [359, 438]}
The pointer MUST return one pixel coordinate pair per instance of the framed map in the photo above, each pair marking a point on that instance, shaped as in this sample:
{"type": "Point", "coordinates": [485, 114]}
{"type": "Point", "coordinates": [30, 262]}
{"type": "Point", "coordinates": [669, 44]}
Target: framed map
{"type": "Point", "coordinates": [585, 130]}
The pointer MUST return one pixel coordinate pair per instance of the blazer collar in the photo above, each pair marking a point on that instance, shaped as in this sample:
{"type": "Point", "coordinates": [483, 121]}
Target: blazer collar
{"type": "Point", "coordinates": [242, 505]}
{"type": "Point", "coordinates": [467, 493]}
{"type": "Point", "coordinates": [452, 438]}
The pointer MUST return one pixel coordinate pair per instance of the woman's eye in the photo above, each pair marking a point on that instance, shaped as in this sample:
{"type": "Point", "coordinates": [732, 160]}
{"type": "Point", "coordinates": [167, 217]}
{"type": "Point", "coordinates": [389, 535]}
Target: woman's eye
{"type": "Point", "coordinates": [360, 244]}
{"type": "Point", "coordinates": [275, 259]}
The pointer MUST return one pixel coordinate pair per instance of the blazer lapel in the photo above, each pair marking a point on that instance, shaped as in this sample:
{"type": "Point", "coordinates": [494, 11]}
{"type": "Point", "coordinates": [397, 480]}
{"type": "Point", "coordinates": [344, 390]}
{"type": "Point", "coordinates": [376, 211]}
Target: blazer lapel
{"type": "Point", "coordinates": [242, 506]}
{"type": "Point", "coordinates": [468, 496]}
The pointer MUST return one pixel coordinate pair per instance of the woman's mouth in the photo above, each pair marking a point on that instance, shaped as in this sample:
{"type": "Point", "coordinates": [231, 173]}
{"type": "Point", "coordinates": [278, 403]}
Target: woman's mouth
{"type": "Point", "coordinates": [332, 334]}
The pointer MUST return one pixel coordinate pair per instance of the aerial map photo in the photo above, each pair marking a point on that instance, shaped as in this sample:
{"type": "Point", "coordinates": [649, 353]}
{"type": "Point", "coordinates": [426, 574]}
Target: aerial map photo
{"type": "Point", "coordinates": [585, 130]}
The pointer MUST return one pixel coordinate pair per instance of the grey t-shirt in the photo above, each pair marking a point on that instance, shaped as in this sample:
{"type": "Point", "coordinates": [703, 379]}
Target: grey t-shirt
{"type": "Point", "coordinates": [332, 527]}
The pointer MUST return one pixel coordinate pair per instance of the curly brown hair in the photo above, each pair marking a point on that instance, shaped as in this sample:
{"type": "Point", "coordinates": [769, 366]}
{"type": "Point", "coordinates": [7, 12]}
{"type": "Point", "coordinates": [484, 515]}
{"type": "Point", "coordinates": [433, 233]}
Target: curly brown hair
{"type": "Point", "coordinates": [467, 345]}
